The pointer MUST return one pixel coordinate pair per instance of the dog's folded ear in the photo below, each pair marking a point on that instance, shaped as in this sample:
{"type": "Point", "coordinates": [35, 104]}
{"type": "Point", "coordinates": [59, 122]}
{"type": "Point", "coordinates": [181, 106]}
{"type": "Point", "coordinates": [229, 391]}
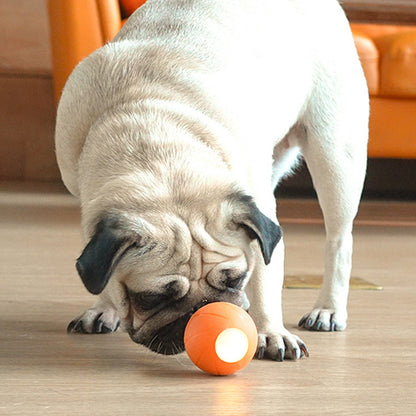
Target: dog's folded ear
{"type": "Point", "coordinates": [257, 225]}
{"type": "Point", "coordinates": [102, 254]}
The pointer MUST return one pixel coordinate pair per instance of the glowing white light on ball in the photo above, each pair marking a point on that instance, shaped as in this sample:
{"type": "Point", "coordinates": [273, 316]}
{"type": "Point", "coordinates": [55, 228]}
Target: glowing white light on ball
{"type": "Point", "coordinates": [231, 345]}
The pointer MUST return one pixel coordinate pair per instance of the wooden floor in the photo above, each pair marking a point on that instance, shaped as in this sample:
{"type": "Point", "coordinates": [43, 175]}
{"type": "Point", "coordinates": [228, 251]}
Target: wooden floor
{"type": "Point", "coordinates": [368, 370]}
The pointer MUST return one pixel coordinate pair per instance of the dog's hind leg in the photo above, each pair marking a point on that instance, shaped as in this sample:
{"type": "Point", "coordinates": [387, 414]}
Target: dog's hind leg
{"type": "Point", "coordinates": [335, 152]}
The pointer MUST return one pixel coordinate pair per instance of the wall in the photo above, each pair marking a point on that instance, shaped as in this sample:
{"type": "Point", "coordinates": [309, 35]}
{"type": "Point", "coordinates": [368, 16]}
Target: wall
{"type": "Point", "coordinates": [27, 110]}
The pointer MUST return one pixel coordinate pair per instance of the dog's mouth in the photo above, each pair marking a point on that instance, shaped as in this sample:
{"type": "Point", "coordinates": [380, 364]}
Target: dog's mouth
{"type": "Point", "coordinates": [168, 340]}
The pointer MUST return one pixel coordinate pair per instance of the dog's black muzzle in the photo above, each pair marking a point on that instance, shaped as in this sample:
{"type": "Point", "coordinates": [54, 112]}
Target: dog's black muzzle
{"type": "Point", "coordinates": [168, 340]}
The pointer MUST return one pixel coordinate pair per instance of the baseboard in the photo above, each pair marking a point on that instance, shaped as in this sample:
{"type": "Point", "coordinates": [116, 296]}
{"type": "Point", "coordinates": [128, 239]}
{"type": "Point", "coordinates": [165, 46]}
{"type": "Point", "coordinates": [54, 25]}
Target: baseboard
{"type": "Point", "coordinates": [386, 179]}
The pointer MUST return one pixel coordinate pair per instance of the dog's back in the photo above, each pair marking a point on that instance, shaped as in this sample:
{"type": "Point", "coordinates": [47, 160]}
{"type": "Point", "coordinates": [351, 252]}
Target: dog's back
{"type": "Point", "coordinates": [243, 63]}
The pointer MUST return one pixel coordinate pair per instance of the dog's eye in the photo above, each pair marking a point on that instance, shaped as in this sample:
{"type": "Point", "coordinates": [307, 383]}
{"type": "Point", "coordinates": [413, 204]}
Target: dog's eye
{"type": "Point", "coordinates": [146, 301]}
{"type": "Point", "coordinates": [232, 281]}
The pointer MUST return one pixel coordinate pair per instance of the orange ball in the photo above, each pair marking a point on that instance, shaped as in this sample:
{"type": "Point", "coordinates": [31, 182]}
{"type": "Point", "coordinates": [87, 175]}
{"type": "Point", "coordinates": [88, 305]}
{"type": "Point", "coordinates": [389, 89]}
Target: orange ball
{"type": "Point", "coordinates": [221, 338]}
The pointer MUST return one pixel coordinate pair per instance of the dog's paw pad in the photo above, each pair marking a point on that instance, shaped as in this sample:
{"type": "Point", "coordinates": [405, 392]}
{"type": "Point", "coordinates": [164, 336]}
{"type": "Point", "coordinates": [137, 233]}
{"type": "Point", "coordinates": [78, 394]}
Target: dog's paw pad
{"type": "Point", "coordinates": [278, 346]}
{"type": "Point", "coordinates": [323, 320]}
{"type": "Point", "coordinates": [95, 321]}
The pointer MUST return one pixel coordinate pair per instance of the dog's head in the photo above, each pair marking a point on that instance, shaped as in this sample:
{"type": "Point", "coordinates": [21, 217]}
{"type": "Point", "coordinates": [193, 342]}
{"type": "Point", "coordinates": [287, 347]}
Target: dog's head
{"type": "Point", "coordinates": [158, 268]}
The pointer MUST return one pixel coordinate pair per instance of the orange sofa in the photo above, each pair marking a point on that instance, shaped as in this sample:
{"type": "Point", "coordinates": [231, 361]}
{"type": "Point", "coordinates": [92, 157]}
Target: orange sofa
{"type": "Point", "coordinates": [387, 53]}
{"type": "Point", "coordinates": [388, 57]}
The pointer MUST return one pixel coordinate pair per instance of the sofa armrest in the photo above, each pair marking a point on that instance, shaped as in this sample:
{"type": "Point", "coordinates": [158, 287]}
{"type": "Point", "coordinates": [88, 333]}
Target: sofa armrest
{"type": "Point", "coordinates": [75, 32]}
{"type": "Point", "coordinates": [110, 18]}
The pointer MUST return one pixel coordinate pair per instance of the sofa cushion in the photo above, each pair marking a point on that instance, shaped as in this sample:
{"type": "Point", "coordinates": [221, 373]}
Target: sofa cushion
{"type": "Point", "coordinates": [398, 65]}
{"type": "Point", "coordinates": [396, 46]}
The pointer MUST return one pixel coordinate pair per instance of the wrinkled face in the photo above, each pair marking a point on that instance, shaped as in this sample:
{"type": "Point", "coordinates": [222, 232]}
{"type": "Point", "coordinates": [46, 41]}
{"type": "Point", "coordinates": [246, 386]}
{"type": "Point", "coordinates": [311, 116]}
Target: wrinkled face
{"type": "Point", "coordinates": [163, 300]}
{"type": "Point", "coordinates": [158, 272]}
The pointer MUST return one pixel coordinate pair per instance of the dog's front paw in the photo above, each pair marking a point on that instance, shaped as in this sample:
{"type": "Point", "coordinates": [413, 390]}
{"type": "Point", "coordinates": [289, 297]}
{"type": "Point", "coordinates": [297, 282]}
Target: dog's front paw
{"type": "Point", "coordinates": [95, 321]}
{"type": "Point", "coordinates": [324, 320]}
{"type": "Point", "coordinates": [280, 345]}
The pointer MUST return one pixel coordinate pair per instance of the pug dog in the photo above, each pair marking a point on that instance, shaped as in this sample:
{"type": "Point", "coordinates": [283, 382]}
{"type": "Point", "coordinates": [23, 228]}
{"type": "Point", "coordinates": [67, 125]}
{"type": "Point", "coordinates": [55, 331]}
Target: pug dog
{"type": "Point", "coordinates": [174, 137]}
